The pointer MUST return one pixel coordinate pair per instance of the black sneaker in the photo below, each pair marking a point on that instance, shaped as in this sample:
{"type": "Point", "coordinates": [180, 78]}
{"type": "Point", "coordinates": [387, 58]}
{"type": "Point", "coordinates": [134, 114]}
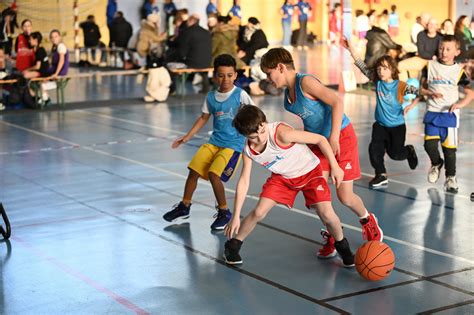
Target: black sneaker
{"type": "Point", "coordinates": [179, 211]}
{"type": "Point", "coordinates": [412, 158]}
{"type": "Point", "coordinates": [379, 180]}
{"type": "Point", "coordinates": [223, 217]}
{"type": "Point", "coordinates": [344, 250]}
{"type": "Point", "coordinates": [231, 252]}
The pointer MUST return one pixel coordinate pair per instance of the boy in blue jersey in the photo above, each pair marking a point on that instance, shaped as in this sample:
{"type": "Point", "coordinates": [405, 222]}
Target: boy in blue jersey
{"type": "Point", "coordinates": [441, 81]}
{"type": "Point", "coordinates": [216, 160]}
{"type": "Point", "coordinates": [389, 129]}
{"type": "Point", "coordinates": [322, 112]}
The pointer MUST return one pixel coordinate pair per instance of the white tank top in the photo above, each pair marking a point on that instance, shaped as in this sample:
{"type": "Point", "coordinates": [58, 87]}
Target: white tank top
{"type": "Point", "coordinates": [443, 79]}
{"type": "Point", "coordinates": [290, 162]}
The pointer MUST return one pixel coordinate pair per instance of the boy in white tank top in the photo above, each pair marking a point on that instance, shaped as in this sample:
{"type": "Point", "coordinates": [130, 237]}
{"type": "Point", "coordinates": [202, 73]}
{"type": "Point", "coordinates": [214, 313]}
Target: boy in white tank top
{"type": "Point", "coordinates": [283, 151]}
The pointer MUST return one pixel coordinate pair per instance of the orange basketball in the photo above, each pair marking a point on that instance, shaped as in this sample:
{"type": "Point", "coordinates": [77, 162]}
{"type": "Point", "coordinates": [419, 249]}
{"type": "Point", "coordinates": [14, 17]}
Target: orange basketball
{"type": "Point", "coordinates": [374, 260]}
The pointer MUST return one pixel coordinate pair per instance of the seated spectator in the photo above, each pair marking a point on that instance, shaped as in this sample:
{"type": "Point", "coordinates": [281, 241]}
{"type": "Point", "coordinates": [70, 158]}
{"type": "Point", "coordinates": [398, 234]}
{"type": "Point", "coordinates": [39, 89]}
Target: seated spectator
{"type": "Point", "coordinates": [92, 40]}
{"type": "Point", "coordinates": [252, 38]}
{"type": "Point", "coordinates": [419, 26]}
{"type": "Point", "coordinates": [41, 65]}
{"type": "Point", "coordinates": [224, 40]}
{"type": "Point", "coordinates": [25, 57]}
{"type": "Point", "coordinates": [427, 43]}
{"type": "Point", "coordinates": [60, 55]}
{"type": "Point", "coordinates": [379, 44]}
{"type": "Point", "coordinates": [464, 36]}
{"type": "Point", "coordinates": [447, 27]}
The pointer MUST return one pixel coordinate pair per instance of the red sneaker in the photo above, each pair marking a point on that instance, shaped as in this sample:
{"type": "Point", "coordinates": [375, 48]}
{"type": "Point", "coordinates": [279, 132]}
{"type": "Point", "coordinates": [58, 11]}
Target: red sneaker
{"type": "Point", "coordinates": [371, 230]}
{"type": "Point", "coordinates": [328, 250]}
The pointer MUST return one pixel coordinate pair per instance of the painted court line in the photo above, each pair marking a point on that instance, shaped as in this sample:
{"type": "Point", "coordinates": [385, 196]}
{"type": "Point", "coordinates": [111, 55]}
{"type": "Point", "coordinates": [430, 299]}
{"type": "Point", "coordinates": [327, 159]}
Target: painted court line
{"type": "Point", "coordinates": [202, 137]}
{"type": "Point", "coordinates": [68, 270]}
{"type": "Point", "coordinates": [302, 212]}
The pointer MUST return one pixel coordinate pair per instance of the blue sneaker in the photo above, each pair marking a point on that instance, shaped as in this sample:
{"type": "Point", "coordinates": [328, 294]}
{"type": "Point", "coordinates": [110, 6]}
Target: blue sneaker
{"type": "Point", "coordinates": [179, 211]}
{"type": "Point", "coordinates": [222, 218]}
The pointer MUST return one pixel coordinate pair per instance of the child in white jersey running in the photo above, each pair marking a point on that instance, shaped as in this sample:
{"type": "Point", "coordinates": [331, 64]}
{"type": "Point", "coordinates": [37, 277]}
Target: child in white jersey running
{"type": "Point", "coordinates": [283, 151]}
{"type": "Point", "coordinates": [322, 112]}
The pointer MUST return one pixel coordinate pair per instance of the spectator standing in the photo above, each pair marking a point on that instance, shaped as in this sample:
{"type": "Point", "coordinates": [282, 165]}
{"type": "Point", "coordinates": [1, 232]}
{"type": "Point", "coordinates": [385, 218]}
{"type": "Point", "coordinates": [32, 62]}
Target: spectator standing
{"type": "Point", "coordinates": [393, 22]}
{"type": "Point", "coordinates": [25, 57]}
{"type": "Point", "coordinates": [235, 10]}
{"type": "Point", "coordinates": [362, 24]}
{"type": "Point", "coordinates": [211, 8]}
{"type": "Point", "coordinates": [92, 39]}
{"type": "Point", "coordinates": [304, 11]}
{"type": "Point", "coordinates": [335, 24]}
{"type": "Point", "coordinates": [7, 29]}
{"type": "Point", "coordinates": [111, 10]}
{"type": "Point", "coordinates": [120, 33]}
{"type": "Point", "coordinates": [195, 47]}
{"type": "Point", "coordinates": [287, 11]}
{"type": "Point", "coordinates": [170, 11]}
{"type": "Point", "coordinates": [149, 7]}
{"type": "Point", "coordinates": [382, 20]}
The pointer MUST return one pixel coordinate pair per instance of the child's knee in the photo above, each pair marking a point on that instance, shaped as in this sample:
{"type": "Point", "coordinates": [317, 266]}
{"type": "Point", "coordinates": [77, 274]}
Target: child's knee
{"type": "Point", "coordinates": [431, 144]}
{"type": "Point", "coordinates": [326, 214]}
{"type": "Point", "coordinates": [213, 176]}
{"type": "Point", "coordinates": [258, 214]}
{"type": "Point", "coordinates": [346, 198]}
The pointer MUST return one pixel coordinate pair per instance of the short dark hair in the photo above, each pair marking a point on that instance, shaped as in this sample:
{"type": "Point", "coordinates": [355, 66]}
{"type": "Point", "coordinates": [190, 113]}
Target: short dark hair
{"type": "Point", "coordinates": [90, 17]}
{"type": "Point", "coordinates": [224, 60]}
{"type": "Point", "coordinates": [248, 119]}
{"type": "Point", "coordinates": [119, 13]}
{"type": "Point", "coordinates": [392, 65]}
{"type": "Point", "coordinates": [55, 31]}
{"type": "Point", "coordinates": [450, 38]}
{"type": "Point", "coordinates": [37, 36]}
{"type": "Point", "coordinates": [274, 56]}
{"type": "Point", "coordinates": [224, 19]}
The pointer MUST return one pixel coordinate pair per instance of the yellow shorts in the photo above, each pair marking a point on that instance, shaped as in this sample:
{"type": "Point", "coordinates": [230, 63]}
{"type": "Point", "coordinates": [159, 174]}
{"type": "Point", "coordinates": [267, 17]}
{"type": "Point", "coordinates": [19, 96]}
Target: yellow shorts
{"type": "Point", "coordinates": [212, 159]}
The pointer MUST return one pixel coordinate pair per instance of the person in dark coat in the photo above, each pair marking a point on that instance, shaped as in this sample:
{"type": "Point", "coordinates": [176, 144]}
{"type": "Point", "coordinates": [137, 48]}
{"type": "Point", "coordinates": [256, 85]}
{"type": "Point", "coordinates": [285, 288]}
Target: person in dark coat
{"type": "Point", "coordinates": [379, 44]}
{"type": "Point", "coordinates": [91, 32]}
{"type": "Point", "coordinates": [251, 39]}
{"type": "Point", "coordinates": [120, 31]}
{"type": "Point", "coordinates": [195, 48]}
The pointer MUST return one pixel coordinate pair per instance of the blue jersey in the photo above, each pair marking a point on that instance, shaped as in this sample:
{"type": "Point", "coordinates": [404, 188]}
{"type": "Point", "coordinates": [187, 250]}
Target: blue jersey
{"type": "Point", "coordinates": [211, 8]}
{"type": "Point", "coordinates": [288, 11]}
{"type": "Point", "coordinates": [316, 115]}
{"type": "Point", "coordinates": [235, 11]}
{"type": "Point", "coordinates": [304, 9]}
{"type": "Point", "coordinates": [393, 20]}
{"type": "Point", "coordinates": [224, 134]}
{"type": "Point", "coordinates": [169, 8]}
{"type": "Point", "coordinates": [388, 110]}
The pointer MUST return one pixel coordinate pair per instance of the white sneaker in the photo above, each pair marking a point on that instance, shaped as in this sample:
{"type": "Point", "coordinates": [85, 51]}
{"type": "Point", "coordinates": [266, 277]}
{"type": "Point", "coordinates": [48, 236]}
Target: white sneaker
{"type": "Point", "coordinates": [451, 184]}
{"type": "Point", "coordinates": [433, 174]}
{"type": "Point", "coordinates": [2, 107]}
{"type": "Point", "coordinates": [197, 79]}
{"type": "Point", "coordinates": [149, 99]}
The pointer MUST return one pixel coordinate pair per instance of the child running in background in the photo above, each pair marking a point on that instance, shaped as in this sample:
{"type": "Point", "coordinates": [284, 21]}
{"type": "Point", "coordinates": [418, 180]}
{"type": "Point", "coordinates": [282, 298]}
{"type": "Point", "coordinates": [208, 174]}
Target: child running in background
{"type": "Point", "coordinates": [216, 160]}
{"type": "Point", "coordinates": [283, 151]}
{"type": "Point", "coordinates": [441, 81]}
{"type": "Point", "coordinates": [322, 112]}
{"type": "Point", "coordinates": [389, 129]}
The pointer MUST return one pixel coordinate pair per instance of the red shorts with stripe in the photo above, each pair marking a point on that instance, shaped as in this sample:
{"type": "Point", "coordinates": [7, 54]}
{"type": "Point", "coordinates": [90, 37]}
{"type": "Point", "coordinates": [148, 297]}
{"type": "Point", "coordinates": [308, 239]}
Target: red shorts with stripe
{"type": "Point", "coordinates": [284, 190]}
{"type": "Point", "coordinates": [348, 158]}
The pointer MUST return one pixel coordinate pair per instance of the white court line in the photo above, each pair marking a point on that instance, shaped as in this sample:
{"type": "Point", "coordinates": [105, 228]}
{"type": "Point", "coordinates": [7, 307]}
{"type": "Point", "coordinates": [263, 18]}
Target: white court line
{"type": "Point", "coordinates": [395, 240]}
{"type": "Point", "coordinates": [202, 137]}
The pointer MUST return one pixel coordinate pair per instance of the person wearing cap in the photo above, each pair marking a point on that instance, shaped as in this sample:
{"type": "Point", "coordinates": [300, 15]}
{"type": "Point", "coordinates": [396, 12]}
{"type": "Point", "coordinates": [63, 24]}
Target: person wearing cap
{"type": "Point", "coordinates": [251, 39]}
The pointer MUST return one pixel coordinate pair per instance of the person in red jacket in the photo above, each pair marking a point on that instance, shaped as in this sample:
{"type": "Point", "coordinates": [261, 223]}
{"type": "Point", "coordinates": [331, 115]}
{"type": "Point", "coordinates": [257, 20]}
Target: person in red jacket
{"type": "Point", "coordinates": [25, 57]}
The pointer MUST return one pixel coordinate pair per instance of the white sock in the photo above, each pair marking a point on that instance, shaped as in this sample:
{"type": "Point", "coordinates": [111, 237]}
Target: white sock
{"type": "Point", "coordinates": [365, 216]}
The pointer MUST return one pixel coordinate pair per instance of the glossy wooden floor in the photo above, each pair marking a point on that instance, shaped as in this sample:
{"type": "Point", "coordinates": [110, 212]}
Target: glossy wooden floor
{"type": "Point", "coordinates": [85, 190]}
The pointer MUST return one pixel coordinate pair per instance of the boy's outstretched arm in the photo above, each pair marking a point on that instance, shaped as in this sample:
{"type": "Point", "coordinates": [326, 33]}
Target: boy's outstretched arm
{"type": "Point", "coordinates": [317, 91]}
{"type": "Point", "coordinates": [232, 228]}
{"type": "Point", "coordinates": [288, 135]}
{"type": "Point", "coordinates": [358, 62]}
{"type": "Point", "coordinates": [198, 124]}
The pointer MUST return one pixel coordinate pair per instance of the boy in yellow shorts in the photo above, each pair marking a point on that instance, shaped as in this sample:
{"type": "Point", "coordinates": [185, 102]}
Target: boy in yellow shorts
{"type": "Point", "coordinates": [216, 160]}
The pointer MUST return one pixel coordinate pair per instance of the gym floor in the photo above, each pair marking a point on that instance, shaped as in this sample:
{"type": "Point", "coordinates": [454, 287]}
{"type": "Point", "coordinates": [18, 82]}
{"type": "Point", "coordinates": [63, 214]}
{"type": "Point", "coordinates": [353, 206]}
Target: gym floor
{"type": "Point", "coordinates": [85, 190]}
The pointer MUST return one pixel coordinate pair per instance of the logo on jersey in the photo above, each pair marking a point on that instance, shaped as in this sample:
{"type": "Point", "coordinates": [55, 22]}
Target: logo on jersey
{"type": "Point", "coordinates": [348, 166]}
{"type": "Point", "coordinates": [305, 113]}
{"type": "Point", "coordinates": [320, 188]}
{"type": "Point", "coordinates": [267, 165]}
{"type": "Point", "coordinates": [224, 115]}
